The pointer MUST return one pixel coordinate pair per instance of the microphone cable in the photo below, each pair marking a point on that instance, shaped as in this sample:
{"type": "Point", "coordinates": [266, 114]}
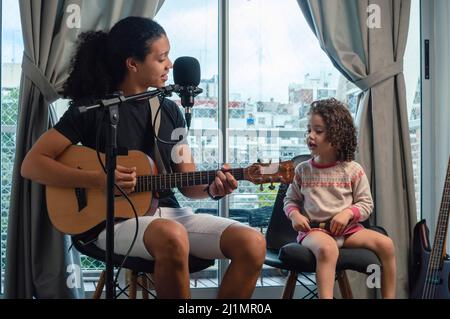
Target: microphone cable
{"type": "Point", "coordinates": [158, 111]}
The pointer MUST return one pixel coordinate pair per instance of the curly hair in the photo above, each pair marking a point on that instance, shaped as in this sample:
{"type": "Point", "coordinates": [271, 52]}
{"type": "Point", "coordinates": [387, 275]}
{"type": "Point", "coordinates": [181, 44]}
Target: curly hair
{"type": "Point", "coordinates": [340, 129]}
{"type": "Point", "coordinates": [98, 65]}
{"type": "Point", "coordinates": [89, 76]}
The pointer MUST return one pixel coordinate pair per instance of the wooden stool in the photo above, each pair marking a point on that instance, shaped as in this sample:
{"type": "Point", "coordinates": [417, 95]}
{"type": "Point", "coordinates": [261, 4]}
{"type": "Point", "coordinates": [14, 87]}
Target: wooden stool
{"type": "Point", "coordinates": [133, 280]}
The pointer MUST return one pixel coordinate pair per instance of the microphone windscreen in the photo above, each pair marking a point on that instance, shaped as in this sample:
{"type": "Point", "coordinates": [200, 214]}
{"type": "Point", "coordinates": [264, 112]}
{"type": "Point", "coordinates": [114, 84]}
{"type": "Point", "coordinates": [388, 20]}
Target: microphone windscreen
{"type": "Point", "coordinates": [186, 71]}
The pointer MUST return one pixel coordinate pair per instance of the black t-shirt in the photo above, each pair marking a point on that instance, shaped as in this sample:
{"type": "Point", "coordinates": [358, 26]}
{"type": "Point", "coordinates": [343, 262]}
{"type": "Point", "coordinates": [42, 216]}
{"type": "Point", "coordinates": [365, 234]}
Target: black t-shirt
{"type": "Point", "coordinates": [134, 132]}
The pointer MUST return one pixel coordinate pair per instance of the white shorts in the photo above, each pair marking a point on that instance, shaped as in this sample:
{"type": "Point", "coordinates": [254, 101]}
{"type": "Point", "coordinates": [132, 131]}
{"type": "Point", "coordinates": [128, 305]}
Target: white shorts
{"type": "Point", "coordinates": [204, 232]}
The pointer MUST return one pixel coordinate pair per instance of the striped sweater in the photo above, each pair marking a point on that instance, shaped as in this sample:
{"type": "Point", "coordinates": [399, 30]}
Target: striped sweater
{"type": "Point", "coordinates": [322, 191]}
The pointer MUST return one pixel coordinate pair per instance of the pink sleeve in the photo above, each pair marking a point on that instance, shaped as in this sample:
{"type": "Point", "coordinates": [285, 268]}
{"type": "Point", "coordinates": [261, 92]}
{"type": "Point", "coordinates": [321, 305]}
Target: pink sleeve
{"type": "Point", "coordinates": [289, 209]}
{"type": "Point", "coordinates": [362, 198]}
{"type": "Point", "coordinates": [356, 214]}
{"type": "Point", "coordinates": [294, 198]}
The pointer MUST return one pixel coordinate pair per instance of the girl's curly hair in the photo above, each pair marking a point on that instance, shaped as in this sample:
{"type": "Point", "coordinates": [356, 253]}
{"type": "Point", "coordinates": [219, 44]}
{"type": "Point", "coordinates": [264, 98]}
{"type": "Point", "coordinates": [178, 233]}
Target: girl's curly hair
{"type": "Point", "coordinates": [340, 129]}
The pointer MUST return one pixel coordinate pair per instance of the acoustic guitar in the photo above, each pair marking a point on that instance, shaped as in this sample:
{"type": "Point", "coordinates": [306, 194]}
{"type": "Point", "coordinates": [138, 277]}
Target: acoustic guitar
{"type": "Point", "coordinates": [76, 210]}
{"type": "Point", "coordinates": [431, 266]}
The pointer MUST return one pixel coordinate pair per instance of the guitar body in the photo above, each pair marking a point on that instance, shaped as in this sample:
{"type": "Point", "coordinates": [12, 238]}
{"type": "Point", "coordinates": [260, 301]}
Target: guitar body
{"type": "Point", "coordinates": [440, 288]}
{"type": "Point", "coordinates": [75, 210]}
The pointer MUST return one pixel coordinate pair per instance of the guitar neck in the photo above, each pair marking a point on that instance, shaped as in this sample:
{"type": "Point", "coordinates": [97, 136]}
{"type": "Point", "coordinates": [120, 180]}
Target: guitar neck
{"type": "Point", "coordinates": [149, 183]}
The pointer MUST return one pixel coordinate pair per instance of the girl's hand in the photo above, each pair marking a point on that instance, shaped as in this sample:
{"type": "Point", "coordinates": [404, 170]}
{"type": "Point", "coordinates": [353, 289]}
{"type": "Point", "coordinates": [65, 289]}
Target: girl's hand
{"type": "Point", "coordinates": [299, 222]}
{"type": "Point", "coordinates": [340, 221]}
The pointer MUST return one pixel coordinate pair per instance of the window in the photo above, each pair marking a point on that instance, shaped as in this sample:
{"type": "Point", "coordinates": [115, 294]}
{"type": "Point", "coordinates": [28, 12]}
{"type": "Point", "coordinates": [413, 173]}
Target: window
{"type": "Point", "coordinates": [413, 95]}
{"type": "Point", "coordinates": [12, 48]}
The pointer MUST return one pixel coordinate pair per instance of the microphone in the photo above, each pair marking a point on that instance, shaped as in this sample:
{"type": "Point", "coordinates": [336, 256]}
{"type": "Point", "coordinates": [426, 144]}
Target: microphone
{"type": "Point", "coordinates": [186, 74]}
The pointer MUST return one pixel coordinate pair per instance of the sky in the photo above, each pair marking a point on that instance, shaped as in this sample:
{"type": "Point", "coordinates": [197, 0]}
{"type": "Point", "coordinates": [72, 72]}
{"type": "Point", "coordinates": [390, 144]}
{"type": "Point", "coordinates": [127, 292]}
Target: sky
{"type": "Point", "coordinates": [12, 46]}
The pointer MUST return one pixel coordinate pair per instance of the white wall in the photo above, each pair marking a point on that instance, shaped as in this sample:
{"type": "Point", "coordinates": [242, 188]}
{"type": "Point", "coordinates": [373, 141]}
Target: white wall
{"type": "Point", "coordinates": [435, 108]}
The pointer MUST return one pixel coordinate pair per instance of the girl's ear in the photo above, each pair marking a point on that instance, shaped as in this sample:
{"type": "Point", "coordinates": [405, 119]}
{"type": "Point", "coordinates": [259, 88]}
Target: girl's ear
{"type": "Point", "coordinates": [131, 64]}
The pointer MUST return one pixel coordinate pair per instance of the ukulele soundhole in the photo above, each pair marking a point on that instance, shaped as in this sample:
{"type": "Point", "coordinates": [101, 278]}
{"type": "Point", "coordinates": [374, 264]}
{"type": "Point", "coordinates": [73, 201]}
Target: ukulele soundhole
{"type": "Point", "coordinates": [80, 193]}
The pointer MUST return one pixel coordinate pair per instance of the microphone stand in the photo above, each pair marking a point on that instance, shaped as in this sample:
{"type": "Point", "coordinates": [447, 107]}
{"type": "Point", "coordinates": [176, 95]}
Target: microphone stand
{"type": "Point", "coordinates": [187, 94]}
{"type": "Point", "coordinates": [111, 107]}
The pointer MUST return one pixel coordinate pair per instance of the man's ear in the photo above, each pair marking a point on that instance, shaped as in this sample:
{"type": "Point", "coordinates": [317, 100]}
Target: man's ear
{"type": "Point", "coordinates": [131, 64]}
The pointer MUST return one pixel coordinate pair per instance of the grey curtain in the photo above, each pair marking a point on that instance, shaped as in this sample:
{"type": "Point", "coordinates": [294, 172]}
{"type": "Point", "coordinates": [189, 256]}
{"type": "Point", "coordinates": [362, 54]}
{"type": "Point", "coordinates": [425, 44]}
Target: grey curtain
{"type": "Point", "coordinates": [371, 56]}
{"type": "Point", "coordinates": [39, 263]}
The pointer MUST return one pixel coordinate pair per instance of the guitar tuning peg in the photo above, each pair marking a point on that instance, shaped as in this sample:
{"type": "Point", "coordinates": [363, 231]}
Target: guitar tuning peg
{"type": "Point", "coordinates": [258, 160]}
{"type": "Point", "coordinates": [261, 187]}
{"type": "Point", "coordinates": [271, 187]}
{"type": "Point", "coordinates": [270, 161]}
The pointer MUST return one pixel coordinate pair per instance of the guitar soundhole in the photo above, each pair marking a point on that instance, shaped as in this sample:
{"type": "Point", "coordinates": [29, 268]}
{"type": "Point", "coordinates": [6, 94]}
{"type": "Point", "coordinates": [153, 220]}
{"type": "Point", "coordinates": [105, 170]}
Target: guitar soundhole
{"type": "Point", "coordinates": [80, 193]}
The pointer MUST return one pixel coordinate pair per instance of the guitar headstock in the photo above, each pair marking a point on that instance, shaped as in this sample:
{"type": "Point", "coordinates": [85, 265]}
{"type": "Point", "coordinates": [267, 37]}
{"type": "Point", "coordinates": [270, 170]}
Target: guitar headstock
{"type": "Point", "coordinates": [261, 173]}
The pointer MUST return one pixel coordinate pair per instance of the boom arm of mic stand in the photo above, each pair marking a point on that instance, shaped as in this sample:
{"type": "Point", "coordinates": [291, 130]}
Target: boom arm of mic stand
{"type": "Point", "coordinates": [117, 99]}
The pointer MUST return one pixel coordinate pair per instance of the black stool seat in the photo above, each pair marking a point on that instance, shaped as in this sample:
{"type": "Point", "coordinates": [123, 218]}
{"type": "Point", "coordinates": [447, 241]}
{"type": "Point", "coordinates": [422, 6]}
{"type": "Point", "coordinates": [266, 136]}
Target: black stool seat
{"type": "Point", "coordinates": [136, 264]}
{"type": "Point", "coordinates": [300, 259]}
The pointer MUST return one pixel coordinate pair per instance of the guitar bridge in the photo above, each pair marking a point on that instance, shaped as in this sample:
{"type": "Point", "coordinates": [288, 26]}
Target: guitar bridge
{"type": "Point", "coordinates": [80, 194]}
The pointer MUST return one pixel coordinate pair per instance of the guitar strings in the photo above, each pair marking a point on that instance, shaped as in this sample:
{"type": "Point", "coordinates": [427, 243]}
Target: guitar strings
{"type": "Point", "coordinates": [161, 182]}
{"type": "Point", "coordinates": [436, 258]}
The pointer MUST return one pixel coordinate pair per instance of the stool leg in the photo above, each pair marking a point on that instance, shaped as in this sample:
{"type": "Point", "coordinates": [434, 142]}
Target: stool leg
{"type": "Point", "coordinates": [150, 281]}
{"type": "Point", "coordinates": [289, 287]}
{"type": "Point", "coordinates": [144, 287]}
{"type": "Point", "coordinates": [100, 285]}
{"type": "Point", "coordinates": [132, 288]}
{"type": "Point", "coordinates": [344, 285]}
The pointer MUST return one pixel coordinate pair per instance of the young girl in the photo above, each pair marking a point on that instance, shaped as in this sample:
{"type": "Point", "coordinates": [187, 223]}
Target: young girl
{"type": "Point", "coordinates": [332, 186]}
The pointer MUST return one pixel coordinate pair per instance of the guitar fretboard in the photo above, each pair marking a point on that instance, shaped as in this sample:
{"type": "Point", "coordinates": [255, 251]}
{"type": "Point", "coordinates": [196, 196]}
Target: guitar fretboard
{"type": "Point", "coordinates": [162, 182]}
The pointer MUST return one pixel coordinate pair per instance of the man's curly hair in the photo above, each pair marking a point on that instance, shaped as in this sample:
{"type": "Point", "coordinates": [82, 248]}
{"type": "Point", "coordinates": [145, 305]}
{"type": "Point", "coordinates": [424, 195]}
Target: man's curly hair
{"type": "Point", "coordinates": [340, 128]}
